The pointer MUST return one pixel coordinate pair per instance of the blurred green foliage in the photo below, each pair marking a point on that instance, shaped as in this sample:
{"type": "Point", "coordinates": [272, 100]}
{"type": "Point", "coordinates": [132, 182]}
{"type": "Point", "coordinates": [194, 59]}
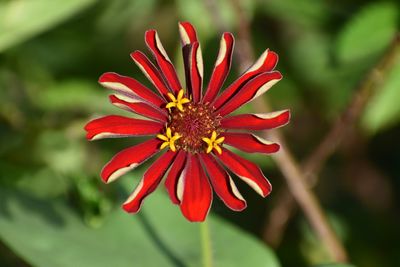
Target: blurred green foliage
{"type": "Point", "coordinates": [55, 211]}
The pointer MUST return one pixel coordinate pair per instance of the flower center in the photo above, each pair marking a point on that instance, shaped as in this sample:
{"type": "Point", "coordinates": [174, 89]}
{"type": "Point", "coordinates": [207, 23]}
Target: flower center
{"type": "Point", "coordinates": [195, 122]}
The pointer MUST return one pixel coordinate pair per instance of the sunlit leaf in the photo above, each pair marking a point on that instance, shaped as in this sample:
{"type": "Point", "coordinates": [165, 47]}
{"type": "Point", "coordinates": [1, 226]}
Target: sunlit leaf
{"type": "Point", "coordinates": [74, 95]}
{"type": "Point", "coordinates": [22, 19]}
{"type": "Point", "coordinates": [383, 110]}
{"type": "Point", "coordinates": [305, 13]}
{"type": "Point", "coordinates": [44, 183]}
{"type": "Point", "coordinates": [368, 32]}
{"type": "Point", "coordinates": [118, 15]}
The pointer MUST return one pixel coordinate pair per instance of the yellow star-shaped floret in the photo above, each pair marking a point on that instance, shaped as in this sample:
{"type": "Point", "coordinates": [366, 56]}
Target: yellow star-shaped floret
{"type": "Point", "coordinates": [177, 101]}
{"type": "Point", "coordinates": [168, 139]}
{"type": "Point", "coordinates": [213, 142]}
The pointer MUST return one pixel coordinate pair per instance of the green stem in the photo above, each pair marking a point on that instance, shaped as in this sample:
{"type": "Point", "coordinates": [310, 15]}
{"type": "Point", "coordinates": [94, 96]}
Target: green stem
{"type": "Point", "coordinates": [206, 244]}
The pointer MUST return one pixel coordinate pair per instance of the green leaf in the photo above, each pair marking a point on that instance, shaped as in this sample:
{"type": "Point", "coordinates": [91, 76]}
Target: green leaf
{"type": "Point", "coordinates": [73, 95]}
{"type": "Point", "coordinates": [23, 19]}
{"type": "Point", "coordinates": [118, 14]}
{"type": "Point", "coordinates": [43, 183]}
{"type": "Point", "coordinates": [368, 32]}
{"type": "Point", "coordinates": [51, 234]}
{"type": "Point", "coordinates": [383, 110]}
{"type": "Point", "coordinates": [304, 13]}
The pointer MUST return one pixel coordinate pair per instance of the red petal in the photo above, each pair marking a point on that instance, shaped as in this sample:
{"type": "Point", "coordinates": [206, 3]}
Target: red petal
{"type": "Point", "coordinates": [247, 171]}
{"type": "Point", "coordinates": [149, 182]}
{"type": "Point", "coordinates": [221, 68]}
{"type": "Point", "coordinates": [193, 69]}
{"type": "Point", "coordinates": [251, 90]}
{"type": "Point", "coordinates": [223, 184]}
{"type": "Point", "coordinates": [129, 159]}
{"type": "Point", "coordinates": [165, 64]}
{"type": "Point", "coordinates": [257, 121]}
{"type": "Point", "coordinates": [194, 191]}
{"type": "Point", "coordinates": [130, 87]}
{"type": "Point", "coordinates": [171, 183]}
{"type": "Point", "coordinates": [138, 107]}
{"type": "Point", "coordinates": [265, 63]}
{"type": "Point", "coordinates": [187, 33]}
{"type": "Point", "coordinates": [193, 74]}
{"type": "Point", "coordinates": [151, 72]}
{"type": "Point", "coordinates": [119, 126]}
{"type": "Point", "coordinates": [250, 143]}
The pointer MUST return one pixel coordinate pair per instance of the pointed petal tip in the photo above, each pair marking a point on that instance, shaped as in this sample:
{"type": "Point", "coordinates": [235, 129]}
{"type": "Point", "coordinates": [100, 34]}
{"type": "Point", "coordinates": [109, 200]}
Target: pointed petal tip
{"type": "Point", "coordinates": [106, 77]}
{"type": "Point", "coordinates": [228, 35]}
{"type": "Point", "coordinates": [150, 31]}
{"type": "Point", "coordinates": [185, 23]}
{"type": "Point", "coordinates": [129, 209]}
{"type": "Point", "coordinates": [135, 54]}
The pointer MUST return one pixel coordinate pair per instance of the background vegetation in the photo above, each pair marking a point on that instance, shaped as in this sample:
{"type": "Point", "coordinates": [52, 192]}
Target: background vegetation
{"type": "Point", "coordinates": [55, 211]}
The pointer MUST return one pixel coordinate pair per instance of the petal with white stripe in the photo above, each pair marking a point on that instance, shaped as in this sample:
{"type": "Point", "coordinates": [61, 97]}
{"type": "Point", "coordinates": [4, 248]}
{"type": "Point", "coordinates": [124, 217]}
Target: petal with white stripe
{"type": "Point", "coordinates": [250, 143]}
{"type": "Point", "coordinates": [131, 88]}
{"type": "Point", "coordinates": [163, 61]}
{"type": "Point", "coordinates": [129, 159]}
{"type": "Point", "coordinates": [187, 33]}
{"type": "Point", "coordinates": [118, 126]}
{"type": "Point", "coordinates": [171, 182]}
{"type": "Point", "coordinates": [194, 70]}
{"type": "Point", "coordinates": [260, 121]}
{"type": "Point", "coordinates": [151, 72]}
{"type": "Point", "coordinates": [265, 63]}
{"type": "Point", "coordinates": [221, 68]}
{"type": "Point", "coordinates": [150, 180]}
{"type": "Point", "coordinates": [246, 170]}
{"type": "Point", "coordinates": [138, 107]}
{"type": "Point", "coordinates": [223, 184]}
{"type": "Point", "coordinates": [251, 90]}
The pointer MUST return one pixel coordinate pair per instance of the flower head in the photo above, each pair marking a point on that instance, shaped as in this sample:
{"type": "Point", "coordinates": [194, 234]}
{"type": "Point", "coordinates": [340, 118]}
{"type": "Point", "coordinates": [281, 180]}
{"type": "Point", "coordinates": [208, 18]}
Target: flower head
{"type": "Point", "coordinates": [190, 125]}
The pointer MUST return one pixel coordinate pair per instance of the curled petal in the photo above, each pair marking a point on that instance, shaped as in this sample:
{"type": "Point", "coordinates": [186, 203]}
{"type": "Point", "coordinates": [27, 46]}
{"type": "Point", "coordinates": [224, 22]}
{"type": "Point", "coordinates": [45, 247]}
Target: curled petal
{"type": "Point", "coordinates": [151, 72]}
{"type": "Point", "coordinates": [129, 159]}
{"type": "Point", "coordinates": [138, 107]}
{"type": "Point", "coordinates": [194, 190]}
{"type": "Point", "coordinates": [187, 33]}
{"type": "Point", "coordinates": [165, 64]}
{"type": "Point", "coordinates": [256, 122]}
{"type": "Point", "coordinates": [223, 184]}
{"type": "Point", "coordinates": [250, 143]}
{"type": "Point", "coordinates": [251, 90]}
{"type": "Point", "coordinates": [119, 126]}
{"type": "Point", "coordinates": [194, 71]}
{"type": "Point", "coordinates": [130, 87]}
{"type": "Point", "coordinates": [221, 68]}
{"type": "Point", "coordinates": [171, 182]}
{"type": "Point", "coordinates": [149, 182]}
{"type": "Point", "coordinates": [247, 171]}
{"type": "Point", "coordinates": [265, 63]}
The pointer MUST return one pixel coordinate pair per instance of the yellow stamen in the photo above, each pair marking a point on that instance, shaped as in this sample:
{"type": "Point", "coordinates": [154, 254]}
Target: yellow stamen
{"type": "Point", "coordinates": [213, 142]}
{"type": "Point", "coordinates": [177, 101]}
{"type": "Point", "coordinates": [169, 139]}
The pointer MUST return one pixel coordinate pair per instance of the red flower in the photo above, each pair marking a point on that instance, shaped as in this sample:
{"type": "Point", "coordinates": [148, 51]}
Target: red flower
{"type": "Point", "coordinates": [190, 125]}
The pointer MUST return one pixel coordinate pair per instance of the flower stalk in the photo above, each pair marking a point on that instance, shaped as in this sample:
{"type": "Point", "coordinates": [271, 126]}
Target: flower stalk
{"type": "Point", "coordinates": [206, 246]}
